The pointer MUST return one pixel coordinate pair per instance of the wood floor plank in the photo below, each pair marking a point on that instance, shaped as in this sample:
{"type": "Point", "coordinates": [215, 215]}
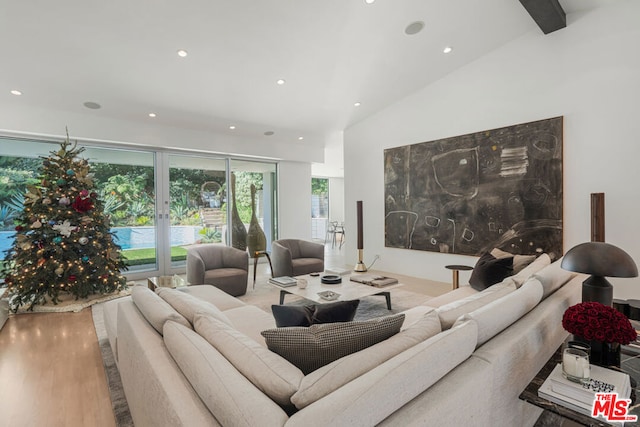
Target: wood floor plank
{"type": "Point", "coordinates": [51, 372]}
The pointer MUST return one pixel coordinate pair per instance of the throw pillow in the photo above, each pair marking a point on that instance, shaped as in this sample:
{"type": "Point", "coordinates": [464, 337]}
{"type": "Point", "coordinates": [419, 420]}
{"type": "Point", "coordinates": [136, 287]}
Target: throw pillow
{"type": "Point", "coordinates": [490, 270]}
{"type": "Point", "coordinates": [519, 261]}
{"type": "Point", "coordinates": [307, 315]}
{"type": "Point", "coordinates": [188, 305]}
{"type": "Point", "coordinates": [318, 345]}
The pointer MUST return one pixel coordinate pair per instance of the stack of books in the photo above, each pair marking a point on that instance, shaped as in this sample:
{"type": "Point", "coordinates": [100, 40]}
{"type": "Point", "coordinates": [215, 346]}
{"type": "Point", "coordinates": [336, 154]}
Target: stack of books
{"type": "Point", "coordinates": [580, 397]}
{"type": "Point", "coordinates": [284, 281]}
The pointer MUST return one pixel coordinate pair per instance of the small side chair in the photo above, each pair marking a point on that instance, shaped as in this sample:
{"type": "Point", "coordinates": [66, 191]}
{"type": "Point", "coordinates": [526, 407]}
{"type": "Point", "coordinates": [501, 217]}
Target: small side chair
{"type": "Point", "coordinates": [293, 257]}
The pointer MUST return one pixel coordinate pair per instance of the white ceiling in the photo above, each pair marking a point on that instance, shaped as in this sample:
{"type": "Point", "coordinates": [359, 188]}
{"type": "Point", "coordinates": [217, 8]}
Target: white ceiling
{"type": "Point", "coordinates": [122, 54]}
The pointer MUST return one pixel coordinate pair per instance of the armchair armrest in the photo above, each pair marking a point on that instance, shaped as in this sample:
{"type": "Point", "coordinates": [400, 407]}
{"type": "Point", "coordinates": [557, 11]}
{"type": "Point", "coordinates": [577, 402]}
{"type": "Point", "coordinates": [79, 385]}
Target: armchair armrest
{"type": "Point", "coordinates": [235, 258]}
{"type": "Point", "coordinates": [281, 260]}
{"type": "Point", "coordinates": [195, 268]}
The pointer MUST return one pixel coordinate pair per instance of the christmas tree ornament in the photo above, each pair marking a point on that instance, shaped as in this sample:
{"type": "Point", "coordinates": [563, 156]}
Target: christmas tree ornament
{"type": "Point", "coordinates": [61, 182]}
{"type": "Point", "coordinates": [25, 246]}
{"type": "Point", "coordinates": [59, 271]}
{"type": "Point", "coordinates": [84, 193]}
{"type": "Point", "coordinates": [36, 224]}
{"type": "Point", "coordinates": [65, 228]}
{"type": "Point", "coordinates": [72, 278]}
{"type": "Point", "coordinates": [57, 240]}
{"type": "Point", "coordinates": [85, 259]}
{"type": "Point", "coordinates": [83, 240]}
{"type": "Point", "coordinates": [64, 201]}
{"type": "Point", "coordinates": [93, 194]}
{"type": "Point", "coordinates": [85, 220]}
{"type": "Point", "coordinates": [46, 201]}
{"type": "Point", "coordinates": [41, 262]}
{"type": "Point", "coordinates": [52, 222]}
{"type": "Point", "coordinates": [82, 205]}
{"type": "Point", "coordinates": [19, 228]}
{"type": "Point", "coordinates": [71, 172]}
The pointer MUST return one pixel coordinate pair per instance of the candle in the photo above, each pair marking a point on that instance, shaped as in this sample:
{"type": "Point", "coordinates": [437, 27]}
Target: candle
{"type": "Point", "coordinates": [575, 364]}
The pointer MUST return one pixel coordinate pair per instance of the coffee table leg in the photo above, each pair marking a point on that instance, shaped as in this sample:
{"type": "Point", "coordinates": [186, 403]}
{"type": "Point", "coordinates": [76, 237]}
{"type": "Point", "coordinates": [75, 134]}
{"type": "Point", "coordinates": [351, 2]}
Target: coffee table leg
{"type": "Point", "coordinates": [282, 294]}
{"type": "Point", "coordinates": [387, 296]}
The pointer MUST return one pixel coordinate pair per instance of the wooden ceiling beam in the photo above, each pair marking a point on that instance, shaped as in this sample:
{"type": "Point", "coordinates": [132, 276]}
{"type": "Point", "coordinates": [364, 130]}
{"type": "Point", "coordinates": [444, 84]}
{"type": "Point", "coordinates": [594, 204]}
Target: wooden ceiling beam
{"type": "Point", "coordinates": [548, 14]}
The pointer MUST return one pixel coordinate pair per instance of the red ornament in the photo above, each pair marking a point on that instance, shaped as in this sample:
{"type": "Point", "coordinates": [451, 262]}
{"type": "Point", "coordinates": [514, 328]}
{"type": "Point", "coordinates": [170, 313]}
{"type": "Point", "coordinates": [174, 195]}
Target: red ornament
{"type": "Point", "coordinates": [93, 195]}
{"type": "Point", "coordinates": [82, 205]}
{"type": "Point", "coordinates": [72, 278]}
{"type": "Point", "coordinates": [19, 228]}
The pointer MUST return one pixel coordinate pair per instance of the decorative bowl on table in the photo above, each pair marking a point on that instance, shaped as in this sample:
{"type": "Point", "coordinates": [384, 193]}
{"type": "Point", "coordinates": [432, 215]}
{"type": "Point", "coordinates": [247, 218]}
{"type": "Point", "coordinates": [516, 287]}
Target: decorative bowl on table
{"type": "Point", "coordinates": [329, 295]}
{"type": "Point", "coordinates": [331, 279]}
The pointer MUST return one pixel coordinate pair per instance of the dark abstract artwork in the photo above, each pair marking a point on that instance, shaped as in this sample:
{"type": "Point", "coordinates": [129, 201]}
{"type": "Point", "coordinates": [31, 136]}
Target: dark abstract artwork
{"type": "Point", "coordinates": [468, 194]}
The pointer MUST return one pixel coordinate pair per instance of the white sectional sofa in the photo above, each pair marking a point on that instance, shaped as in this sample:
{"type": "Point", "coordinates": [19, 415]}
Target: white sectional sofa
{"type": "Point", "coordinates": [463, 359]}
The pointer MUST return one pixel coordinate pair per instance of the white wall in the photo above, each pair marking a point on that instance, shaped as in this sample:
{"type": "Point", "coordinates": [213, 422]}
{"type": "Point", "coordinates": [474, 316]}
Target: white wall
{"type": "Point", "coordinates": [294, 207]}
{"type": "Point", "coordinates": [336, 199]}
{"type": "Point", "coordinates": [588, 73]}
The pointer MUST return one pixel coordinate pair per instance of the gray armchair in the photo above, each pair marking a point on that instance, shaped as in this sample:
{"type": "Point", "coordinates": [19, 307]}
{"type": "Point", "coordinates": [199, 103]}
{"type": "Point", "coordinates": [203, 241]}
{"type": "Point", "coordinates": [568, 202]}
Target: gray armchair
{"type": "Point", "coordinates": [292, 257]}
{"type": "Point", "coordinates": [224, 267]}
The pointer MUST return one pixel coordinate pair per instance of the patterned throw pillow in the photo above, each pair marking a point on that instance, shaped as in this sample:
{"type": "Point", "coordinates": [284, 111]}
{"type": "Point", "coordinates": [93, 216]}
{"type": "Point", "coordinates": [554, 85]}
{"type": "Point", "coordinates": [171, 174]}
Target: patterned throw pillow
{"type": "Point", "coordinates": [318, 345]}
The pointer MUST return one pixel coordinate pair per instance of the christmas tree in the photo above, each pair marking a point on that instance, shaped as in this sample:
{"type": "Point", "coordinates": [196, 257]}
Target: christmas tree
{"type": "Point", "coordinates": [63, 242]}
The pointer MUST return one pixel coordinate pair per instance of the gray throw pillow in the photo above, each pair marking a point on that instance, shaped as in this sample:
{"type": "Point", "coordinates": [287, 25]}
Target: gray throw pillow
{"type": "Point", "coordinates": [311, 314]}
{"type": "Point", "coordinates": [318, 345]}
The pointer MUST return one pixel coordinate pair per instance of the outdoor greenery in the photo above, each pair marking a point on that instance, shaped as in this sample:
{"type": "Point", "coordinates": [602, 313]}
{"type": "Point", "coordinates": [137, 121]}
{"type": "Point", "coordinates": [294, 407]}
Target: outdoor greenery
{"type": "Point", "coordinates": [148, 255]}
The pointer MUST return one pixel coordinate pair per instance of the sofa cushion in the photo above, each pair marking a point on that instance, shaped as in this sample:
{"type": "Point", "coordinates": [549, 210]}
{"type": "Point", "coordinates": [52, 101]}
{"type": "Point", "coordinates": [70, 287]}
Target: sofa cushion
{"type": "Point", "coordinates": [311, 314]}
{"type": "Point", "coordinates": [315, 346]}
{"type": "Point", "coordinates": [553, 277]}
{"type": "Point", "coordinates": [330, 377]}
{"type": "Point", "coordinates": [230, 397]}
{"type": "Point", "coordinates": [495, 317]}
{"type": "Point", "coordinates": [519, 261]}
{"type": "Point", "coordinates": [251, 321]}
{"type": "Point", "coordinates": [537, 265]}
{"type": "Point", "coordinates": [188, 305]}
{"type": "Point", "coordinates": [155, 309]}
{"type": "Point", "coordinates": [211, 294]}
{"type": "Point", "coordinates": [271, 373]}
{"type": "Point", "coordinates": [449, 313]}
{"type": "Point", "coordinates": [490, 270]}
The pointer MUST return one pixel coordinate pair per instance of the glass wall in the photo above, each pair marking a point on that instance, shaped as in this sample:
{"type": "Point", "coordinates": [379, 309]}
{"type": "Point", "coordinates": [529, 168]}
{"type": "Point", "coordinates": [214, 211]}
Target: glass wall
{"type": "Point", "coordinates": [159, 203]}
{"type": "Point", "coordinates": [319, 207]}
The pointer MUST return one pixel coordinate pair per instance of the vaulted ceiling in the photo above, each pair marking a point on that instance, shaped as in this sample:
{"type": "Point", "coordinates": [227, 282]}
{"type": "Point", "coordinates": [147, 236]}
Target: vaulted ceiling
{"type": "Point", "coordinates": [331, 54]}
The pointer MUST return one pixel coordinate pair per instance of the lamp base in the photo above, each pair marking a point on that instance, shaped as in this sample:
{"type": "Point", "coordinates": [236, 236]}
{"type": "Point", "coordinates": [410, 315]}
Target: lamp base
{"type": "Point", "coordinates": [360, 267]}
{"type": "Point", "coordinates": [597, 289]}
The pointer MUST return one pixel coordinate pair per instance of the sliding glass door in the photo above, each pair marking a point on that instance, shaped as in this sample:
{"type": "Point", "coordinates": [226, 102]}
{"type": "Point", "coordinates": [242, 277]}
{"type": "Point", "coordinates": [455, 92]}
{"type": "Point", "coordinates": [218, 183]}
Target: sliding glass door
{"type": "Point", "coordinates": [159, 203]}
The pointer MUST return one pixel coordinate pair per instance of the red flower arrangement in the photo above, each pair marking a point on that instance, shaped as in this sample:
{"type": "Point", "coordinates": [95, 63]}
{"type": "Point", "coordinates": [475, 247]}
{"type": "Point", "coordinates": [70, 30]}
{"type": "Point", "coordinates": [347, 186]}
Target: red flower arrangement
{"type": "Point", "coordinates": [595, 321]}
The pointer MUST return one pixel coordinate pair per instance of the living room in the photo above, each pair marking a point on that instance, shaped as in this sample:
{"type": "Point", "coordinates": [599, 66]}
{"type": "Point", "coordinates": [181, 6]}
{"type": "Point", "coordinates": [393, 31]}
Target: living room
{"type": "Point", "coordinates": [585, 73]}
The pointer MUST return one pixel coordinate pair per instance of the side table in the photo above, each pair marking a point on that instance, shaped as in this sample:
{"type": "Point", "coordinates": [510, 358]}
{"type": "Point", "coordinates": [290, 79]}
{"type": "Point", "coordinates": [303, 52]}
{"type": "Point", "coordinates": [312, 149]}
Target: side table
{"type": "Point", "coordinates": [456, 273]}
{"type": "Point", "coordinates": [257, 255]}
{"type": "Point", "coordinates": [628, 363]}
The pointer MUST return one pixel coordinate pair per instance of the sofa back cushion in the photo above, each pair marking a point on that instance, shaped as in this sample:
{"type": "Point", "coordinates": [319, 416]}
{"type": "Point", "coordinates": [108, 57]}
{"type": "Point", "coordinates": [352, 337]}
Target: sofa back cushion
{"type": "Point", "coordinates": [449, 313]}
{"type": "Point", "coordinates": [313, 347]}
{"type": "Point", "coordinates": [495, 317]}
{"type": "Point", "coordinates": [553, 277]}
{"type": "Point", "coordinates": [330, 377]}
{"type": "Point", "coordinates": [311, 314]}
{"type": "Point", "coordinates": [271, 373]}
{"type": "Point", "coordinates": [230, 397]}
{"type": "Point", "coordinates": [537, 265]}
{"type": "Point", "coordinates": [188, 305]}
{"type": "Point", "coordinates": [155, 309]}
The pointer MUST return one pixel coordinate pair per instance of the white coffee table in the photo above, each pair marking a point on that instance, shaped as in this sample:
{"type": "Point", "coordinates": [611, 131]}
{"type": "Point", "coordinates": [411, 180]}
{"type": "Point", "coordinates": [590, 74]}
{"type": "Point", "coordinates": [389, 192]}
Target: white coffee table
{"type": "Point", "coordinates": [348, 290]}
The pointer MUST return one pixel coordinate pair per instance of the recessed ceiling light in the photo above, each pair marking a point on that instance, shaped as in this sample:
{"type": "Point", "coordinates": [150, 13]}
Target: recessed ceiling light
{"type": "Point", "coordinates": [182, 53]}
{"type": "Point", "coordinates": [232, 127]}
{"type": "Point", "coordinates": [269, 133]}
{"type": "Point", "coordinates": [357, 104]}
{"type": "Point", "coordinates": [414, 28]}
{"type": "Point", "coordinates": [300, 138]}
{"type": "Point", "coordinates": [16, 92]}
{"type": "Point", "coordinates": [447, 49]}
{"type": "Point", "coordinates": [152, 114]}
{"type": "Point", "coordinates": [369, 1]}
{"type": "Point", "coordinates": [280, 82]}
{"type": "Point", "coordinates": [92, 105]}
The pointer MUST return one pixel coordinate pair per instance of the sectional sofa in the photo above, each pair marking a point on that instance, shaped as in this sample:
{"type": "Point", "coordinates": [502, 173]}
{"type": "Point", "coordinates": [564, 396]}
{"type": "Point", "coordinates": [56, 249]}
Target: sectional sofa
{"type": "Point", "coordinates": [196, 357]}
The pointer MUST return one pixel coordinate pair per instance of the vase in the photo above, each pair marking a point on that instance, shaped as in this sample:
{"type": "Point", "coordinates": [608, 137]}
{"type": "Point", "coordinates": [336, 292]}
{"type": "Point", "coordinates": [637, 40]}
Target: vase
{"type": "Point", "coordinates": [238, 231]}
{"type": "Point", "coordinates": [256, 239]}
{"type": "Point", "coordinates": [603, 354]}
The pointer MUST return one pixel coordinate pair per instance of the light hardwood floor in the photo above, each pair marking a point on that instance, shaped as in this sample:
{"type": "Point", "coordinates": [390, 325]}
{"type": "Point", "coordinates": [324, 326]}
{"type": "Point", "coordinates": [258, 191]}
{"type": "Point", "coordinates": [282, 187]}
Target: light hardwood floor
{"type": "Point", "coordinates": [51, 370]}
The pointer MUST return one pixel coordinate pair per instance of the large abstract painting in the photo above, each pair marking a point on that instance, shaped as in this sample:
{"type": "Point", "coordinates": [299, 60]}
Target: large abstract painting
{"type": "Point", "coordinates": [468, 194]}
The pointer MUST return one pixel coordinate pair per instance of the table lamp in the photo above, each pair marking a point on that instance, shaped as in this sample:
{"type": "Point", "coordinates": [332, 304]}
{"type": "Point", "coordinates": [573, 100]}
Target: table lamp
{"type": "Point", "coordinates": [599, 259]}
